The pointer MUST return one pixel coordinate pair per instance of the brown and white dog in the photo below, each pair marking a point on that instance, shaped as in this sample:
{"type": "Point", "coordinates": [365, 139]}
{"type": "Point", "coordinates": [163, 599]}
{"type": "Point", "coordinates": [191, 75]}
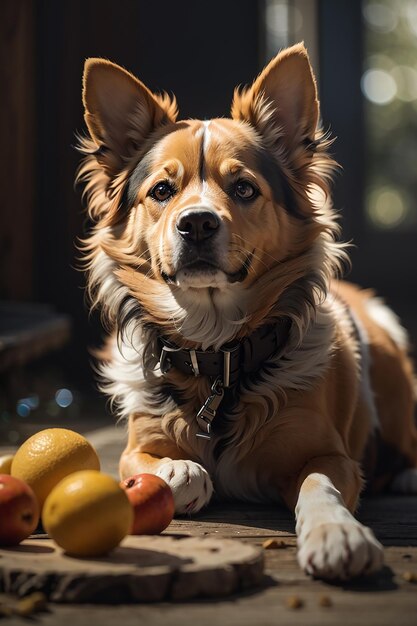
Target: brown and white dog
{"type": "Point", "coordinates": [239, 362]}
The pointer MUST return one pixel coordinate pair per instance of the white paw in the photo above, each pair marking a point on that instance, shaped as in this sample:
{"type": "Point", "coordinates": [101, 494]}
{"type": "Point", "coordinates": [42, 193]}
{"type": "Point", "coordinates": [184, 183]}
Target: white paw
{"type": "Point", "coordinates": [339, 551]}
{"type": "Point", "coordinates": [406, 482]}
{"type": "Point", "coordinates": [190, 484]}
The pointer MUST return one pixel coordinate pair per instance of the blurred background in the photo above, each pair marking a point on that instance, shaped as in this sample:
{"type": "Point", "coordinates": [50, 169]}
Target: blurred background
{"type": "Point", "coordinates": [364, 53]}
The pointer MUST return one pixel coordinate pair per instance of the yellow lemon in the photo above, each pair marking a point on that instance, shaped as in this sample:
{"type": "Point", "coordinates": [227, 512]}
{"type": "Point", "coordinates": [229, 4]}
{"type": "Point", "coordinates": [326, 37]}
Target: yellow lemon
{"type": "Point", "coordinates": [87, 513]}
{"type": "Point", "coordinates": [50, 455]}
{"type": "Point", "coordinates": [6, 463]}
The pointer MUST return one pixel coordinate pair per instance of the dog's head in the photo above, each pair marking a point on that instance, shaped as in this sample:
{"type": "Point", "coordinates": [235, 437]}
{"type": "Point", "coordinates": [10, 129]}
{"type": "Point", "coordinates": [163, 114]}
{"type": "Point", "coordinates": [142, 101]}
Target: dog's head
{"type": "Point", "coordinates": [226, 213]}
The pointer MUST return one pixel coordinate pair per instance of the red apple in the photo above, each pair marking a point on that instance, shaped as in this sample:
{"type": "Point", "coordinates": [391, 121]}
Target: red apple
{"type": "Point", "coordinates": [152, 501]}
{"type": "Point", "coordinates": [19, 510]}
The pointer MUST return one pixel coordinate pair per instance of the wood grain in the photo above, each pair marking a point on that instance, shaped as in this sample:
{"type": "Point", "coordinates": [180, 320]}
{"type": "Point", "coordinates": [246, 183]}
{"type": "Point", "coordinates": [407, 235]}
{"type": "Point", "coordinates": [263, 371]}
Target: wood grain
{"type": "Point", "coordinates": [141, 569]}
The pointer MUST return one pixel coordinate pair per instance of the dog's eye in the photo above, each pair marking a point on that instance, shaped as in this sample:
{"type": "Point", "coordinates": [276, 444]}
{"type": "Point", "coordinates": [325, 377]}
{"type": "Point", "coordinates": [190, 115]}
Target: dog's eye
{"type": "Point", "coordinates": [245, 190]}
{"type": "Point", "coordinates": [162, 192]}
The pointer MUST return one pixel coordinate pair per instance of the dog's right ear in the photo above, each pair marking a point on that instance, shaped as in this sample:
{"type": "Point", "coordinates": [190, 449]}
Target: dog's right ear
{"type": "Point", "coordinates": [120, 111]}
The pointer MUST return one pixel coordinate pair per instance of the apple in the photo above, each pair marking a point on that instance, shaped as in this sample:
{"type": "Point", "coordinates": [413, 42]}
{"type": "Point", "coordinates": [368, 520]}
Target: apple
{"type": "Point", "coordinates": [152, 502]}
{"type": "Point", "coordinates": [19, 510]}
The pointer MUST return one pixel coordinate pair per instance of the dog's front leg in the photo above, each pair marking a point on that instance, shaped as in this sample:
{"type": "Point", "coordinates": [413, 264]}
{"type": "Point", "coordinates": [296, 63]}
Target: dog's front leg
{"type": "Point", "coordinates": [332, 544]}
{"type": "Point", "coordinates": [190, 483]}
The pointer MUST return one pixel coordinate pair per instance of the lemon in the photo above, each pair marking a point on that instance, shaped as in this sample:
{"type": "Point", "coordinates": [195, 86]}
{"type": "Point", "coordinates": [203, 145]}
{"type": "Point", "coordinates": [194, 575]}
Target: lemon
{"type": "Point", "coordinates": [48, 456]}
{"type": "Point", "coordinates": [6, 463]}
{"type": "Point", "coordinates": [87, 513]}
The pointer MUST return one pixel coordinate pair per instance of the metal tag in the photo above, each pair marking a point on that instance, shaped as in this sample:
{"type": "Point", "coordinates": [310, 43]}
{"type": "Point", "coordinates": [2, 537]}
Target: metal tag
{"type": "Point", "coordinates": [208, 411]}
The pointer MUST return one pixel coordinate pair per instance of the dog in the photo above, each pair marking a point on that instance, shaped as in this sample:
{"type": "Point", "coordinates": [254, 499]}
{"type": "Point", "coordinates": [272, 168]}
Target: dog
{"type": "Point", "coordinates": [241, 362]}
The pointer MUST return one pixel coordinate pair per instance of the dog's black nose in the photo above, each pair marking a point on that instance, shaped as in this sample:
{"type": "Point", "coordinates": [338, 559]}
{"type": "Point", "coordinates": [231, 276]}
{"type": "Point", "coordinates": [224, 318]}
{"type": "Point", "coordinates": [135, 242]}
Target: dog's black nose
{"type": "Point", "coordinates": [197, 226]}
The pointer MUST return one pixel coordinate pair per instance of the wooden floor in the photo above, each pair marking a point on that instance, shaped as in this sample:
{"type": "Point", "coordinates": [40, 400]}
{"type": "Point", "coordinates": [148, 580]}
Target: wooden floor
{"type": "Point", "coordinates": [386, 599]}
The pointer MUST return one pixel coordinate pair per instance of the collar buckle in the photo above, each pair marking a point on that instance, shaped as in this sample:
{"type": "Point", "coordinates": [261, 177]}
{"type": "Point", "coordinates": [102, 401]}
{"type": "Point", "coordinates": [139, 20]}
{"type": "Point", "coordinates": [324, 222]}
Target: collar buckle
{"type": "Point", "coordinates": [228, 350]}
{"type": "Point", "coordinates": [165, 362]}
{"type": "Point", "coordinates": [208, 411]}
{"type": "Point", "coordinates": [194, 363]}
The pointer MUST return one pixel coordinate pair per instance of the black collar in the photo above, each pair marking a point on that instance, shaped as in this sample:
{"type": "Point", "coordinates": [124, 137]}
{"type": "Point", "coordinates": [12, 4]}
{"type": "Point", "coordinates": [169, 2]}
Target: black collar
{"type": "Point", "coordinates": [227, 366]}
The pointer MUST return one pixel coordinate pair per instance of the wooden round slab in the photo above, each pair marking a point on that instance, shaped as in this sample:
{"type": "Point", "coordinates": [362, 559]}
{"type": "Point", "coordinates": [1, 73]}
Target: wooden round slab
{"type": "Point", "coordinates": [141, 569]}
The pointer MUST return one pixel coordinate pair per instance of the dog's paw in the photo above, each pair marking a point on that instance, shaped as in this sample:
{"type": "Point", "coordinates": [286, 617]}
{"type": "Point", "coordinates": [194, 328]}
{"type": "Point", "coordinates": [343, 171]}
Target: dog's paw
{"type": "Point", "coordinates": [190, 483]}
{"type": "Point", "coordinates": [405, 482]}
{"type": "Point", "coordinates": [339, 551]}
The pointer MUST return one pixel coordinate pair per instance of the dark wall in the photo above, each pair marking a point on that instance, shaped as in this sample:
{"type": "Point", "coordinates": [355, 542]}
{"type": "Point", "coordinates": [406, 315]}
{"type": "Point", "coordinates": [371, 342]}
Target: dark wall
{"type": "Point", "coordinates": [341, 60]}
{"type": "Point", "coordinates": [17, 140]}
{"type": "Point", "coordinates": [199, 51]}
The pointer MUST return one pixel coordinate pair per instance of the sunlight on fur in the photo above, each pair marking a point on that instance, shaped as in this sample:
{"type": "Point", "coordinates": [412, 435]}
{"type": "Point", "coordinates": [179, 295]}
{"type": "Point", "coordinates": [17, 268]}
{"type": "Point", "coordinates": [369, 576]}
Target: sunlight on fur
{"type": "Point", "coordinates": [215, 236]}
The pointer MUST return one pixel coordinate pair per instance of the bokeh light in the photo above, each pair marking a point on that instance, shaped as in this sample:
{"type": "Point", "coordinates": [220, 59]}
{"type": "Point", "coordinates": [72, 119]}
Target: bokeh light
{"type": "Point", "coordinates": [277, 18]}
{"type": "Point", "coordinates": [387, 207]}
{"type": "Point", "coordinates": [378, 86]}
{"type": "Point", "coordinates": [389, 86]}
{"type": "Point", "coordinates": [380, 17]}
{"type": "Point", "coordinates": [282, 19]}
{"type": "Point", "coordinates": [410, 13]}
{"type": "Point", "coordinates": [64, 398]}
{"type": "Point", "coordinates": [23, 408]}
{"type": "Point", "coordinates": [406, 80]}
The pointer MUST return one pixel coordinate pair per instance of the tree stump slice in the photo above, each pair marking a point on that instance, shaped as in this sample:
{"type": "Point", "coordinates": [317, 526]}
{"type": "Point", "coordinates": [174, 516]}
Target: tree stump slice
{"type": "Point", "coordinates": [141, 569]}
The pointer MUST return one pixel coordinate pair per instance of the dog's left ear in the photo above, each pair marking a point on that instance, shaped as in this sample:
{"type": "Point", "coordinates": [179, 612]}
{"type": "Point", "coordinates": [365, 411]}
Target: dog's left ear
{"type": "Point", "coordinates": [282, 102]}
